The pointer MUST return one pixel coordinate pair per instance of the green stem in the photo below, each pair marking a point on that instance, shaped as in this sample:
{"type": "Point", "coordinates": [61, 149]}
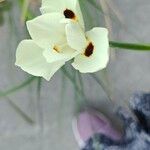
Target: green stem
{"type": "Point", "coordinates": [18, 87]}
{"type": "Point", "coordinates": [81, 84]}
{"type": "Point", "coordinates": [72, 80]}
{"type": "Point", "coordinates": [130, 46]}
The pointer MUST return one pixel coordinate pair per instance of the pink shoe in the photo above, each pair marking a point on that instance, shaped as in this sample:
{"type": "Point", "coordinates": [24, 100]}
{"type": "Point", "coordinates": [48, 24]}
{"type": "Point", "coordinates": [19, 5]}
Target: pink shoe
{"type": "Point", "coordinates": [89, 123]}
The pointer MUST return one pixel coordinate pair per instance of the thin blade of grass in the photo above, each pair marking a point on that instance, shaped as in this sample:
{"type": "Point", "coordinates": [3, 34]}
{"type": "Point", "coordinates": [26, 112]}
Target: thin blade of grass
{"type": "Point", "coordinates": [94, 3]}
{"type": "Point", "coordinates": [77, 97]}
{"type": "Point", "coordinates": [25, 7]}
{"type": "Point", "coordinates": [62, 100]}
{"type": "Point", "coordinates": [39, 106]}
{"type": "Point", "coordinates": [112, 6]}
{"type": "Point", "coordinates": [108, 22]}
{"type": "Point", "coordinates": [20, 112]}
{"type": "Point", "coordinates": [102, 85]}
{"type": "Point", "coordinates": [81, 84]}
{"type": "Point", "coordinates": [72, 80]}
{"type": "Point", "coordinates": [40, 115]}
{"type": "Point", "coordinates": [18, 87]}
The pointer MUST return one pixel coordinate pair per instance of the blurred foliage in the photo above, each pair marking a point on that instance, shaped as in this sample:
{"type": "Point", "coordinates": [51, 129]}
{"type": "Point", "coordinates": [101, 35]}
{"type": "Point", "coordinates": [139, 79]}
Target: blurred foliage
{"type": "Point", "coordinates": [18, 87]}
{"type": "Point", "coordinates": [27, 9]}
{"type": "Point", "coordinates": [4, 6]}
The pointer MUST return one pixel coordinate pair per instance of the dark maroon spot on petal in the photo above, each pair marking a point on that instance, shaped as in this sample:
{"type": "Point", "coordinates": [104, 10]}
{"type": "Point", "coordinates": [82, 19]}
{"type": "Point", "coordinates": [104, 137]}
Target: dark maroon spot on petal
{"type": "Point", "coordinates": [89, 50]}
{"type": "Point", "coordinates": [69, 14]}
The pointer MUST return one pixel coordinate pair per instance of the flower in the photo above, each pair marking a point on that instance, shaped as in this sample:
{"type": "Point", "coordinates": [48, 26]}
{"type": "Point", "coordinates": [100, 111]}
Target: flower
{"type": "Point", "coordinates": [48, 49]}
{"type": "Point", "coordinates": [92, 45]}
{"type": "Point", "coordinates": [70, 9]}
{"type": "Point", "coordinates": [56, 41]}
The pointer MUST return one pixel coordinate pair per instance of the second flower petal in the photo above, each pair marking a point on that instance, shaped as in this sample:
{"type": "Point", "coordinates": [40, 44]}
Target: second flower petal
{"type": "Point", "coordinates": [46, 30]}
{"type": "Point", "coordinates": [30, 58]}
{"type": "Point", "coordinates": [96, 54]}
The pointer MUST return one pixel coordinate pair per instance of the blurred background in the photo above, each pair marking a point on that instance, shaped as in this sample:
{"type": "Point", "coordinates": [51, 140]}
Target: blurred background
{"type": "Point", "coordinates": [36, 114]}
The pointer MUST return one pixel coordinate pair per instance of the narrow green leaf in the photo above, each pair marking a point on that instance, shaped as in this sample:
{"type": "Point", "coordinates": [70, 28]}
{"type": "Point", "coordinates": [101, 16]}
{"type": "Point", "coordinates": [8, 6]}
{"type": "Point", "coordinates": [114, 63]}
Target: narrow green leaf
{"type": "Point", "coordinates": [20, 111]}
{"type": "Point", "coordinates": [62, 97]}
{"type": "Point", "coordinates": [39, 85]}
{"type": "Point", "coordinates": [40, 106]}
{"type": "Point", "coordinates": [95, 4]}
{"type": "Point", "coordinates": [102, 85]}
{"type": "Point", "coordinates": [77, 97]}
{"type": "Point", "coordinates": [81, 84]}
{"type": "Point", "coordinates": [18, 87]}
{"type": "Point", "coordinates": [130, 46]}
{"type": "Point", "coordinates": [72, 80]}
{"type": "Point", "coordinates": [24, 10]}
{"type": "Point", "coordinates": [27, 14]}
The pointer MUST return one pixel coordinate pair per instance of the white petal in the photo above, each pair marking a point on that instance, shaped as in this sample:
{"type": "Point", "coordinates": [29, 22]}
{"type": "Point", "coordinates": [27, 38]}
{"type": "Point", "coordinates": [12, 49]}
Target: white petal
{"type": "Point", "coordinates": [47, 30]}
{"type": "Point", "coordinates": [30, 58]}
{"type": "Point", "coordinates": [60, 6]}
{"type": "Point", "coordinates": [79, 15]}
{"type": "Point", "coordinates": [75, 36]}
{"type": "Point", "coordinates": [65, 54]}
{"type": "Point", "coordinates": [99, 59]}
{"type": "Point", "coordinates": [49, 6]}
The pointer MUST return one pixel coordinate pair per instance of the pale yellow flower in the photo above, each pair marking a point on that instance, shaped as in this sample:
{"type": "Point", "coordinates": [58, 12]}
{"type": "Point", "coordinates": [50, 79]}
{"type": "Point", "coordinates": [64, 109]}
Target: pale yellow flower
{"type": "Point", "coordinates": [92, 45]}
{"type": "Point", "coordinates": [48, 50]}
{"type": "Point", "coordinates": [57, 39]}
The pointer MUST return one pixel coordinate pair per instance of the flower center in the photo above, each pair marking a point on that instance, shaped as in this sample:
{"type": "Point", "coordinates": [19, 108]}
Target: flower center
{"type": "Point", "coordinates": [59, 47]}
{"type": "Point", "coordinates": [69, 14]}
{"type": "Point", "coordinates": [56, 48]}
{"type": "Point", "coordinates": [89, 50]}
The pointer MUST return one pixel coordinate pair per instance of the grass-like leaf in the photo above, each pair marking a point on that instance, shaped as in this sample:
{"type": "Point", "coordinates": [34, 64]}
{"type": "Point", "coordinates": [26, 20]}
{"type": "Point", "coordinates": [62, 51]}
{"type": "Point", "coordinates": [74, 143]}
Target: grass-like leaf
{"type": "Point", "coordinates": [95, 4]}
{"type": "Point", "coordinates": [102, 85]}
{"type": "Point", "coordinates": [18, 87]}
{"type": "Point", "coordinates": [40, 107]}
{"type": "Point", "coordinates": [20, 112]}
{"type": "Point", "coordinates": [130, 46]}
{"type": "Point", "coordinates": [72, 80]}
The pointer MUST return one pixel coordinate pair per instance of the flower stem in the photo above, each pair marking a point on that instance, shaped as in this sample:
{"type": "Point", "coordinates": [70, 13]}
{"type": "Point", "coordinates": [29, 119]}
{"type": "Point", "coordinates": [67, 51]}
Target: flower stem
{"type": "Point", "coordinates": [130, 46]}
{"type": "Point", "coordinates": [72, 80]}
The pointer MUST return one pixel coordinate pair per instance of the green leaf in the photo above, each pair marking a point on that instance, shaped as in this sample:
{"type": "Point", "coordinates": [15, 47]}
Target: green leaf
{"type": "Point", "coordinates": [20, 111]}
{"type": "Point", "coordinates": [27, 14]}
{"type": "Point", "coordinates": [77, 97]}
{"type": "Point", "coordinates": [24, 10]}
{"type": "Point", "coordinates": [130, 46]}
{"type": "Point", "coordinates": [40, 106]}
{"type": "Point", "coordinates": [18, 87]}
{"type": "Point", "coordinates": [5, 5]}
{"type": "Point", "coordinates": [95, 4]}
{"type": "Point", "coordinates": [102, 85]}
{"type": "Point", "coordinates": [72, 80]}
{"type": "Point", "coordinates": [39, 85]}
{"type": "Point", "coordinates": [81, 84]}
{"type": "Point", "coordinates": [91, 17]}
